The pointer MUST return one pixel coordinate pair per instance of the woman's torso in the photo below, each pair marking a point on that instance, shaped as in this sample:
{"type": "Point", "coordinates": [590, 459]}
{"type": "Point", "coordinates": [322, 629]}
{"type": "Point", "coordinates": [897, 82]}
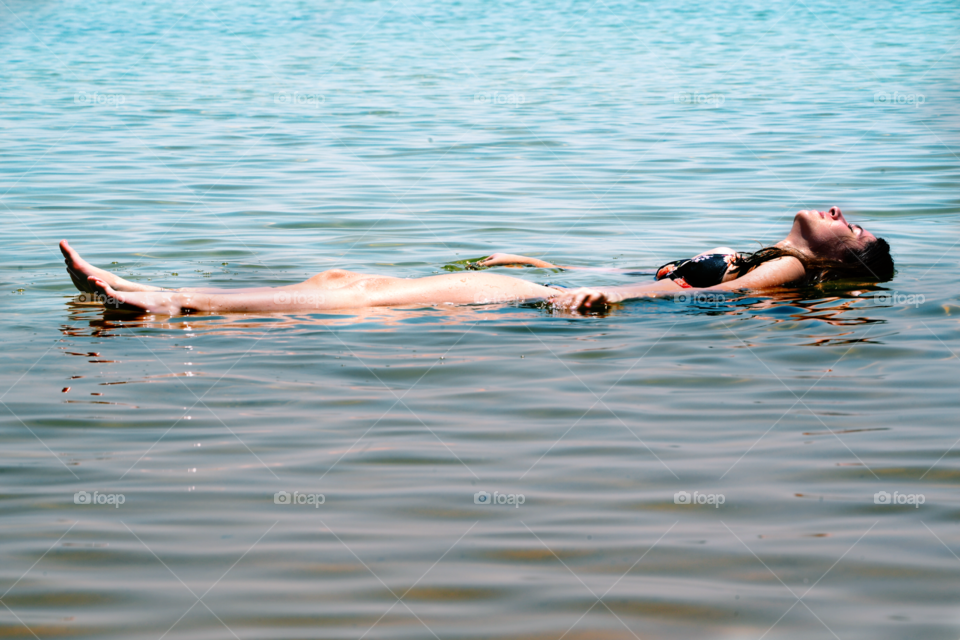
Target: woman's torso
{"type": "Point", "coordinates": [704, 270]}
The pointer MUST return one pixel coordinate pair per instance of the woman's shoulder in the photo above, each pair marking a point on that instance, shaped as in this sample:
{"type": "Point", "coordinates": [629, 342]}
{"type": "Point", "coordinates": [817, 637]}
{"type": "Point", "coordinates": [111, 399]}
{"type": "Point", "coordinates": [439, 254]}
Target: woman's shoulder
{"type": "Point", "coordinates": [775, 272]}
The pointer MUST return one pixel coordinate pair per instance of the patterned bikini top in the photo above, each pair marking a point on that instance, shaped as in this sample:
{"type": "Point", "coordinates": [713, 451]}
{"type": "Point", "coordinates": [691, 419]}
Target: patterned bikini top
{"type": "Point", "coordinates": [705, 270]}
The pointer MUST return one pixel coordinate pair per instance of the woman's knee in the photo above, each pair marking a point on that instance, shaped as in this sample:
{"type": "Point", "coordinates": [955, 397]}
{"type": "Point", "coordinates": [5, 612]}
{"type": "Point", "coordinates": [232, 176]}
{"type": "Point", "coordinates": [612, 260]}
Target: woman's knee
{"type": "Point", "coordinates": [332, 276]}
{"type": "Point", "coordinates": [371, 283]}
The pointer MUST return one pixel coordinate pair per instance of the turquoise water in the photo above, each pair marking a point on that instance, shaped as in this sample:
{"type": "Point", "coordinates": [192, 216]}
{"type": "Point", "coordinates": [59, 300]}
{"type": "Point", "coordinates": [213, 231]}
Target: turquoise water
{"type": "Point", "coordinates": [235, 144]}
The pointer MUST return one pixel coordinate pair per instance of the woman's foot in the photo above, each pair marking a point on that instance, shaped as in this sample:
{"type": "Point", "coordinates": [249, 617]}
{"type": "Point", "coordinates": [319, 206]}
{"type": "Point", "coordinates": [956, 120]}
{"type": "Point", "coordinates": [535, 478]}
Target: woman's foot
{"type": "Point", "coordinates": [81, 271]}
{"type": "Point", "coordinates": [168, 303]}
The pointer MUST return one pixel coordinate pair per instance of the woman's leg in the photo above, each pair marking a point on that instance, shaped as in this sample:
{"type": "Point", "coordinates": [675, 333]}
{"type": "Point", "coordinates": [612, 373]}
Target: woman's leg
{"type": "Point", "coordinates": [333, 289]}
{"type": "Point", "coordinates": [80, 272]}
{"type": "Point", "coordinates": [361, 291]}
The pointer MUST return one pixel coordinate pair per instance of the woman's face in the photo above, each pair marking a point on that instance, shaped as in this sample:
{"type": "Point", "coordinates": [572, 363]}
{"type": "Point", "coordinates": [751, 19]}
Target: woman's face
{"type": "Point", "coordinates": [825, 234]}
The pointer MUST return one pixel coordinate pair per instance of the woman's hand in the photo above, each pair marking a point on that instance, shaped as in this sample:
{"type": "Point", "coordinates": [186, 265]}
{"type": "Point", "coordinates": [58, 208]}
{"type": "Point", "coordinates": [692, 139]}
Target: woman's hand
{"type": "Point", "coordinates": [584, 300]}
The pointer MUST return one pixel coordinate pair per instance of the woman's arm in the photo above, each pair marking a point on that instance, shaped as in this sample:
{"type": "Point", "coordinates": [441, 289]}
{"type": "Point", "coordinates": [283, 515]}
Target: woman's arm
{"type": "Point", "coordinates": [593, 298]}
{"type": "Point", "coordinates": [775, 273]}
{"type": "Point", "coordinates": [502, 259]}
{"type": "Point", "coordinates": [510, 259]}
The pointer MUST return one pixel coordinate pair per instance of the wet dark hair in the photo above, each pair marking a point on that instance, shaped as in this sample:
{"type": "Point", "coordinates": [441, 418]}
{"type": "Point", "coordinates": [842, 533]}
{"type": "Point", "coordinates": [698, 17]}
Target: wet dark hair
{"type": "Point", "coordinates": [871, 262]}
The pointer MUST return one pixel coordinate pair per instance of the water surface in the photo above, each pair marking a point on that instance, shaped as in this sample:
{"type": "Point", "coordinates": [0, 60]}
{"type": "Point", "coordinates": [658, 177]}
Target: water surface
{"type": "Point", "coordinates": [249, 143]}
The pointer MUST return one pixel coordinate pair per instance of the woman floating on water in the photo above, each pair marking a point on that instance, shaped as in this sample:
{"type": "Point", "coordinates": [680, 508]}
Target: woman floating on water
{"type": "Point", "coordinates": [821, 246]}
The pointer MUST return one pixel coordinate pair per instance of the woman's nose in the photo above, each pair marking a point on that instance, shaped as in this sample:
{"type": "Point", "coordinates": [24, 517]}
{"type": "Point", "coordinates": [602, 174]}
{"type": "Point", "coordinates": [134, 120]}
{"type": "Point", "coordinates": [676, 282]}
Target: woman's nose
{"type": "Point", "coordinates": [834, 212]}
